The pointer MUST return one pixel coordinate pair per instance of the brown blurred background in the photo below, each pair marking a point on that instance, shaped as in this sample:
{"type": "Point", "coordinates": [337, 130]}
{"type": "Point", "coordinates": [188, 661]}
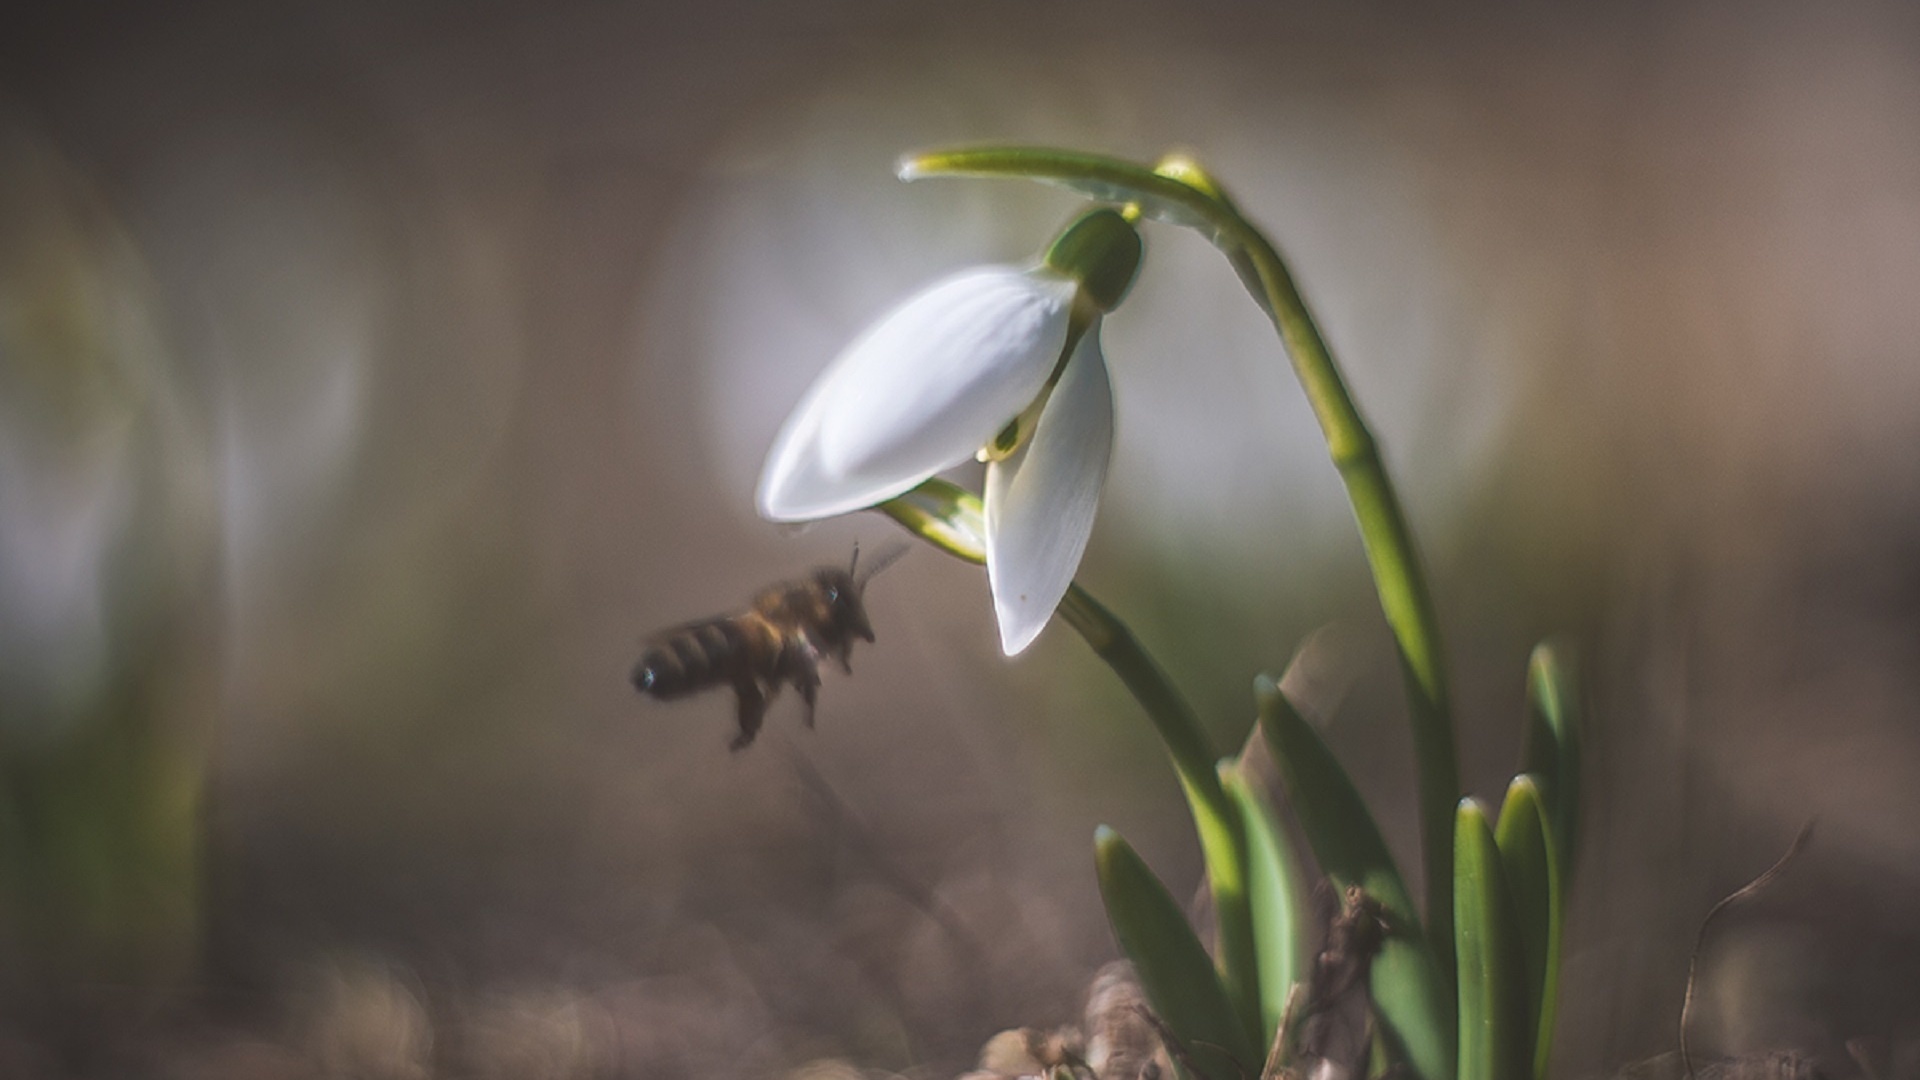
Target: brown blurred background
{"type": "Point", "coordinates": [374, 377]}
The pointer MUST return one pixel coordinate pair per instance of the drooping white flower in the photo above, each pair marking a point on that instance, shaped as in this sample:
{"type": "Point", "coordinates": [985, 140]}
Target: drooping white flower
{"type": "Point", "coordinates": [922, 389]}
{"type": "Point", "coordinates": [999, 361]}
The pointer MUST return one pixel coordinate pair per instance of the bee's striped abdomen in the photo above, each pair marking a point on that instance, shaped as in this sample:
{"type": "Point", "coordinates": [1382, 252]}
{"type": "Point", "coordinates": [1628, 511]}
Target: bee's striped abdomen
{"type": "Point", "coordinates": [689, 659]}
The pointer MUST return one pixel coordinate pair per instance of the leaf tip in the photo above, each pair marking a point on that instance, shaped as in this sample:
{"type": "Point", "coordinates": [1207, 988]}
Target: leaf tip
{"type": "Point", "coordinates": [1551, 654]}
{"type": "Point", "coordinates": [1265, 687]}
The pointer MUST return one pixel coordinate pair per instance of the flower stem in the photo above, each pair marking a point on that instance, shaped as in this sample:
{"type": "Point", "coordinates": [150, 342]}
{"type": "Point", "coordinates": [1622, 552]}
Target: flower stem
{"type": "Point", "coordinates": [1391, 555]}
{"type": "Point", "coordinates": [951, 519]}
{"type": "Point", "coordinates": [1223, 843]}
{"type": "Point", "coordinates": [1181, 193]}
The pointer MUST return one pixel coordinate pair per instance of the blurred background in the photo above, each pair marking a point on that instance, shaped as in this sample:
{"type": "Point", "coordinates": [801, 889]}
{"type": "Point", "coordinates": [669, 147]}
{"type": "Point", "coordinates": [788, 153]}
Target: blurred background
{"type": "Point", "coordinates": [374, 378]}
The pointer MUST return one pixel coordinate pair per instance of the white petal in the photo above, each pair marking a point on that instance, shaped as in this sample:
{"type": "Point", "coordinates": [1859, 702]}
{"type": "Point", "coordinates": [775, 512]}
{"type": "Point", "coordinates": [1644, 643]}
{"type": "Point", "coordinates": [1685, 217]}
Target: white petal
{"type": "Point", "coordinates": [1041, 500]}
{"type": "Point", "coordinates": [918, 392]}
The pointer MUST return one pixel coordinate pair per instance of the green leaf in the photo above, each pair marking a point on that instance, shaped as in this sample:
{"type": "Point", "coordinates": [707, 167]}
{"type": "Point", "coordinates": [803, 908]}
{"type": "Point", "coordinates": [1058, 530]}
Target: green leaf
{"type": "Point", "coordinates": [1527, 855]}
{"type": "Point", "coordinates": [1496, 1038]}
{"type": "Point", "coordinates": [1277, 898]}
{"type": "Point", "coordinates": [1412, 997]}
{"type": "Point", "coordinates": [1174, 970]}
{"type": "Point", "coordinates": [1552, 747]}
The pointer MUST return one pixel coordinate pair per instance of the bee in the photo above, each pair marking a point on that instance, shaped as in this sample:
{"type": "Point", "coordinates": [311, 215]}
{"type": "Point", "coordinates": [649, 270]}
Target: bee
{"type": "Point", "coordinates": [782, 638]}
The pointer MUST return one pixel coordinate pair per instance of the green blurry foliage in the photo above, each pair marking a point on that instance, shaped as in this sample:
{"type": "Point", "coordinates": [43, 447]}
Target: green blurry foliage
{"type": "Point", "coordinates": [105, 546]}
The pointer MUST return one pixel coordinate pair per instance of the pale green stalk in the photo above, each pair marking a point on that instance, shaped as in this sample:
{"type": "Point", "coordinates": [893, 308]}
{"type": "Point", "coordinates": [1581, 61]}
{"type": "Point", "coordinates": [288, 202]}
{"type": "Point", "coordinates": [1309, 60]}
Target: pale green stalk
{"type": "Point", "coordinates": [1525, 836]}
{"type": "Point", "coordinates": [1183, 194]}
{"type": "Point", "coordinates": [1496, 1035]}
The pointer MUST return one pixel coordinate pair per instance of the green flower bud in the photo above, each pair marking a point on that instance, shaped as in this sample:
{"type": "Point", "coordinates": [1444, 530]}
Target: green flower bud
{"type": "Point", "coordinates": [1101, 251]}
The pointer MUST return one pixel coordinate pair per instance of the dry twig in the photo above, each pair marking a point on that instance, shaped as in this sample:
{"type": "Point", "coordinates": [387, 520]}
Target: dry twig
{"type": "Point", "coordinates": [1750, 889]}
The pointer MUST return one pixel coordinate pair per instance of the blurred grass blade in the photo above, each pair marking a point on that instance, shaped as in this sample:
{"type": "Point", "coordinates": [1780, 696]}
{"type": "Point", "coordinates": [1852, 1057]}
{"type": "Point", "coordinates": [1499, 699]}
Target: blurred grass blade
{"type": "Point", "coordinates": [1408, 989]}
{"type": "Point", "coordinates": [1552, 748]}
{"type": "Point", "coordinates": [1276, 895]}
{"type": "Point", "coordinates": [1175, 971]}
{"type": "Point", "coordinates": [1525, 838]}
{"type": "Point", "coordinates": [1496, 1039]}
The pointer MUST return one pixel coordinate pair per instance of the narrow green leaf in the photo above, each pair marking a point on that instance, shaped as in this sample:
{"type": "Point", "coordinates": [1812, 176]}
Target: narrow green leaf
{"type": "Point", "coordinates": [1552, 748]}
{"type": "Point", "coordinates": [1413, 999]}
{"type": "Point", "coordinates": [1174, 970]}
{"type": "Point", "coordinates": [1525, 837]}
{"type": "Point", "coordinates": [1496, 1038]}
{"type": "Point", "coordinates": [1277, 897]}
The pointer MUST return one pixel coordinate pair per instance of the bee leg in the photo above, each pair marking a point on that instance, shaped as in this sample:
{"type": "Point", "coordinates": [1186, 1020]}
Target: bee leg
{"type": "Point", "coordinates": [753, 709]}
{"type": "Point", "coordinates": [800, 665]}
{"type": "Point", "coordinates": [808, 681]}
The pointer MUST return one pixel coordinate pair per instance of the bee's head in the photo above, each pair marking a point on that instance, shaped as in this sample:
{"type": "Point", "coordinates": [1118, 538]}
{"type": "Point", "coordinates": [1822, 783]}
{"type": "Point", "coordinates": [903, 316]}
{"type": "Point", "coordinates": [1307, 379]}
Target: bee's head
{"type": "Point", "coordinates": [845, 590]}
{"type": "Point", "coordinates": [846, 607]}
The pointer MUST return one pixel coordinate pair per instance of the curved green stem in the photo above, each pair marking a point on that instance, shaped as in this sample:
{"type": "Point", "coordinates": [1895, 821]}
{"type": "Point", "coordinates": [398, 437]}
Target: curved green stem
{"type": "Point", "coordinates": [950, 519]}
{"type": "Point", "coordinates": [1223, 842]}
{"type": "Point", "coordinates": [1183, 194]}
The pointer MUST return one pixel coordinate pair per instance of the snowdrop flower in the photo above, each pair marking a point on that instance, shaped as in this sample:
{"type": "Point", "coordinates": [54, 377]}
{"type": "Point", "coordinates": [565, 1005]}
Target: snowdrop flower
{"type": "Point", "coordinates": [996, 362]}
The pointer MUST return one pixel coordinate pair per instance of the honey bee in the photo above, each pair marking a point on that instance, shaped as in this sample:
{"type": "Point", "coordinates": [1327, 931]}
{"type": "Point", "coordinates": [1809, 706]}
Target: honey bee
{"type": "Point", "coordinates": [782, 638]}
